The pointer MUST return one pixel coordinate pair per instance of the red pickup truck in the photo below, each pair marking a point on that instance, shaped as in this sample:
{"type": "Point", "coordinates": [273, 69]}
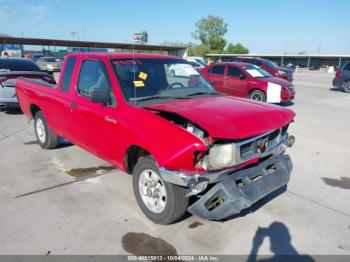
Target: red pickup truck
{"type": "Point", "coordinates": [175, 135]}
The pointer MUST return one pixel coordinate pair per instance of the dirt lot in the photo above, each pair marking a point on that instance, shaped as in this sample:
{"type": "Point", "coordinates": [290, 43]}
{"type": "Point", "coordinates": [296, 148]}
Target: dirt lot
{"type": "Point", "coordinates": [66, 201]}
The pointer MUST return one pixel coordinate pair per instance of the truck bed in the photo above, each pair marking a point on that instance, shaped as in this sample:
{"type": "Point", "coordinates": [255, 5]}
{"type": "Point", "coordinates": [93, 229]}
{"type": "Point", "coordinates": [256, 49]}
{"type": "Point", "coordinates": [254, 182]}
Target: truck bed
{"type": "Point", "coordinates": [34, 91]}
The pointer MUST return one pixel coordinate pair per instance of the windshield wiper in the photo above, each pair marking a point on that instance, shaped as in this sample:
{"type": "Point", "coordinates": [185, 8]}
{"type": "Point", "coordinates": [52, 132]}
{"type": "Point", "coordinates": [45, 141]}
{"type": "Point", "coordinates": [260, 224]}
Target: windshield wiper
{"type": "Point", "coordinates": [203, 93]}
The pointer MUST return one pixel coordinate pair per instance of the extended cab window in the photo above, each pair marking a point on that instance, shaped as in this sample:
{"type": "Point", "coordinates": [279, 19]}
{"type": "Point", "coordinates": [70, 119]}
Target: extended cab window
{"type": "Point", "coordinates": [92, 75]}
{"type": "Point", "coordinates": [218, 70]}
{"type": "Point", "coordinates": [234, 72]}
{"type": "Point", "coordinates": [67, 74]}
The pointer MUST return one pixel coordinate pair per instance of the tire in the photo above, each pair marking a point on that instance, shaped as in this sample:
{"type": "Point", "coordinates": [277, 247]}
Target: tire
{"type": "Point", "coordinates": [44, 135]}
{"type": "Point", "coordinates": [257, 95]}
{"type": "Point", "coordinates": [173, 206]}
{"type": "Point", "coordinates": [172, 72]}
{"type": "Point", "coordinates": [346, 86]}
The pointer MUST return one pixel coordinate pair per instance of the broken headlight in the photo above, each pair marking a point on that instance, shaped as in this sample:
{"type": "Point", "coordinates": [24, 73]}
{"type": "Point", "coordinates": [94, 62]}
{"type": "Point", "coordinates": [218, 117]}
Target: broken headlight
{"type": "Point", "coordinates": [220, 156]}
{"type": "Point", "coordinates": [195, 130]}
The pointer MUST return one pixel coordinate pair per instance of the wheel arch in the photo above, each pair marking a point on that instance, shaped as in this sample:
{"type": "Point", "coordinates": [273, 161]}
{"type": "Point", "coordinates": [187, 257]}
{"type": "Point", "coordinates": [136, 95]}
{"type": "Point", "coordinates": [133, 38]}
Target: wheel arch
{"type": "Point", "coordinates": [132, 155]}
{"type": "Point", "coordinates": [258, 89]}
{"type": "Point", "coordinates": [33, 108]}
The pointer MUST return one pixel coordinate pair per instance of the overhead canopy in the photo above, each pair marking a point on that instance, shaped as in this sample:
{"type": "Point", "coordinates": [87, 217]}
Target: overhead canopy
{"type": "Point", "coordinates": [73, 43]}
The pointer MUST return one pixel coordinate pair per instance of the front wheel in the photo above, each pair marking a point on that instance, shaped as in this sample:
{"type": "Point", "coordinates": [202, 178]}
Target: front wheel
{"type": "Point", "coordinates": [160, 201]}
{"type": "Point", "coordinates": [44, 135]}
{"type": "Point", "coordinates": [257, 95]}
{"type": "Point", "coordinates": [346, 86]}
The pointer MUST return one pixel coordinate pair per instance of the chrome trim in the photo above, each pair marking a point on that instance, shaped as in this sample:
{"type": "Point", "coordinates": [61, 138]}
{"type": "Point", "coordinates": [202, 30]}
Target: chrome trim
{"type": "Point", "coordinates": [269, 150]}
{"type": "Point", "coordinates": [277, 141]}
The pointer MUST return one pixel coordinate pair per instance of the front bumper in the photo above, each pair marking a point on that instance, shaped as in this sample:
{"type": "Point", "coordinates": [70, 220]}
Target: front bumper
{"type": "Point", "coordinates": [9, 105]}
{"type": "Point", "coordinates": [243, 188]}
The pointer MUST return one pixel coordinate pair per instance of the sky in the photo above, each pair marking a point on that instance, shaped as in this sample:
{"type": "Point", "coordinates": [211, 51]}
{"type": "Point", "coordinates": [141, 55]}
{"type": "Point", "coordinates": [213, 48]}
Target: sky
{"type": "Point", "coordinates": [265, 26]}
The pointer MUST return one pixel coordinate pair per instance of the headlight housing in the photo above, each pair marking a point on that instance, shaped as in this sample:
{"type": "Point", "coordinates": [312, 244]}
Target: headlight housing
{"type": "Point", "coordinates": [195, 130]}
{"type": "Point", "coordinates": [282, 73]}
{"type": "Point", "coordinates": [220, 156]}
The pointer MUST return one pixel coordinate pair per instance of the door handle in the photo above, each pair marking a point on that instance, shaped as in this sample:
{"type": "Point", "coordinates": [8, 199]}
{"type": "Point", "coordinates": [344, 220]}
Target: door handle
{"type": "Point", "coordinates": [111, 120]}
{"type": "Point", "coordinates": [73, 105]}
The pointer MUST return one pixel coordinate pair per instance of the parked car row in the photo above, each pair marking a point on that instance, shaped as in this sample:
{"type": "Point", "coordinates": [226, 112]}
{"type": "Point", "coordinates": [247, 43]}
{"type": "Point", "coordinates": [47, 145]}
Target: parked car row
{"type": "Point", "coordinates": [248, 80]}
{"type": "Point", "coordinates": [268, 66]}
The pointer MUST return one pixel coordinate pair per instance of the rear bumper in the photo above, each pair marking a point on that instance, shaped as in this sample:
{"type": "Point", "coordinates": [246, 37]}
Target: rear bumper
{"type": "Point", "coordinates": [337, 82]}
{"type": "Point", "coordinates": [243, 188]}
{"type": "Point", "coordinates": [287, 95]}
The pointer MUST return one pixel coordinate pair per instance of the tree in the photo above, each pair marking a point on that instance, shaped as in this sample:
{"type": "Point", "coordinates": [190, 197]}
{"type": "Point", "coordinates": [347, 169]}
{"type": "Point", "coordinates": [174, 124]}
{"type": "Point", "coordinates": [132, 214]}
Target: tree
{"type": "Point", "coordinates": [236, 49]}
{"type": "Point", "coordinates": [210, 32]}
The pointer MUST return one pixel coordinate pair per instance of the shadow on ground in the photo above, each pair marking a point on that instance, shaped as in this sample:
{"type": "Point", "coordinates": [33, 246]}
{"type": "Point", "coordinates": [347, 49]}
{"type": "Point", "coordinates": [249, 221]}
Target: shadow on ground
{"type": "Point", "coordinates": [14, 111]}
{"type": "Point", "coordinates": [62, 143]}
{"type": "Point", "coordinates": [280, 244]}
{"type": "Point", "coordinates": [336, 89]}
{"type": "Point", "coordinates": [287, 104]}
{"type": "Point", "coordinates": [343, 182]}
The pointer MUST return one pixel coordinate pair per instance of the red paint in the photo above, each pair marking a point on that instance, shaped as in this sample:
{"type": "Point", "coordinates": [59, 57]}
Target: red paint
{"type": "Point", "coordinates": [241, 87]}
{"type": "Point", "coordinates": [108, 131]}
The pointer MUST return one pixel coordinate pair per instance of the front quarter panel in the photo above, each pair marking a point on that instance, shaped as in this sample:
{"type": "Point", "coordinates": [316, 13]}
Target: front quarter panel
{"type": "Point", "coordinates": [172, 146]}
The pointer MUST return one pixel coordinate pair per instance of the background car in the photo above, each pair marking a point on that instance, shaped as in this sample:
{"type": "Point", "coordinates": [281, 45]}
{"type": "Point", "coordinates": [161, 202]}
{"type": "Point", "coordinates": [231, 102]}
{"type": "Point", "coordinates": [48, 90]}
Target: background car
{"type": "Point", "coordinates": [342, 78]}
{"type": "Point", "coordinates": [196, 65]}
{"type": "Point", "coordinates": [35, 57]}
{"type": "Point", "coordinates": [181, 70]}
{"type": "Point", "coordinates": [249, 81]}
{"type": "Point", "coordinates": [268, 66]}
{"type": "Point", "coordinates": [10, 70]}
{"type": "Point", "coordinates": [49, 63]}
{"type": "Point", "coordinates": [196, 59]}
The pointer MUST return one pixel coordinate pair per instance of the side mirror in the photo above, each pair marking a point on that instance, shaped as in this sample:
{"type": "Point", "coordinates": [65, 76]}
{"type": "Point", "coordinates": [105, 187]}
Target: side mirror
{"type": "Point", "coordinates": [242, 76]}
{"type": "Point", "coordinates": [101, 95]}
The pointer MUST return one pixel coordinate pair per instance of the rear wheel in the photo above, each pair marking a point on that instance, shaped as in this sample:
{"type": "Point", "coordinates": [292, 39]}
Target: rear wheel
{"type": "Point", "coordinates": [346, 86]}
{"type": "Point", "coordinates": [257, 95]}
{"type": "Point", "coordinates": [44, 135]}
{"type": "Point", "coordinates": [161, 202]}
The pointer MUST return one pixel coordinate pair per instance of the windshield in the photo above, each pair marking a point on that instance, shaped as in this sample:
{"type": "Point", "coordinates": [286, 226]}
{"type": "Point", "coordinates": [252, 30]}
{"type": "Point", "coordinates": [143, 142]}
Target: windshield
{"type": "Point", "coordinates": [51, 59]}
{"type": "Point", "coordinates": [151, 79]}
{"type": "Point", "coordinates": [270, 64]}
{"type": "Point", "coordinates": [199, 61]}
{"type": "Point", "coordinates": [256, 71]}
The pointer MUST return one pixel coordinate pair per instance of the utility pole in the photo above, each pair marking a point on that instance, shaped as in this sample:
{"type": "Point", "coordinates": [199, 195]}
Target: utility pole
{"type": "Point", "coordinates": [319, 47]}
{"type": "Point", "coordinates": [74, 34]}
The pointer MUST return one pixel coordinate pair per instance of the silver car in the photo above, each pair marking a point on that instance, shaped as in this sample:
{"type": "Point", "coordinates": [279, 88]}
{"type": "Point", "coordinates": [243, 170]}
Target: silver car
{"type": "Point", "coordinates": [10, 70]}
{"type": "Point", "coordinates": [49, 63]}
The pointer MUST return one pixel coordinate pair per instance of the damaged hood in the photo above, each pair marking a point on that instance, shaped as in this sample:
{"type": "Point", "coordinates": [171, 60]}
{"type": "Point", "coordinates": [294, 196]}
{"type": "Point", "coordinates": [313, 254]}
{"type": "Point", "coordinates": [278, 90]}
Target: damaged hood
{"type": "Point", "coordinates": [228, 117]}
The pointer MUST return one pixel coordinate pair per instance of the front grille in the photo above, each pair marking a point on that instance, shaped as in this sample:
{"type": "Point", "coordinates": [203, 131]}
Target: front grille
{"type": "Point", "coordinates": [261, 144]}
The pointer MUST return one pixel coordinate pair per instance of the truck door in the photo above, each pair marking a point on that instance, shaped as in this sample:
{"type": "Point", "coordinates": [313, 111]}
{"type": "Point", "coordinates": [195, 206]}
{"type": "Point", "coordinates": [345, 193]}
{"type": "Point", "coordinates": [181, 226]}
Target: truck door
{"type": "Point", "coordinates": [236, 82]}
{"type": "Point", "coordinates": [96, 126]}
{"type": "Point", "coordinates": [216, 76]}
{"type": "Point", "coordinates": [64, 95]}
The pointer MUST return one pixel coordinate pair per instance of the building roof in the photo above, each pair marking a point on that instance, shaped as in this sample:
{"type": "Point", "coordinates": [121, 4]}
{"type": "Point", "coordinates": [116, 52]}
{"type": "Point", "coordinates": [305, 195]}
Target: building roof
{"type": "Point", "coordinates": [283, 55]}
{"type": "Point", "coordinates": [73, 43]}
